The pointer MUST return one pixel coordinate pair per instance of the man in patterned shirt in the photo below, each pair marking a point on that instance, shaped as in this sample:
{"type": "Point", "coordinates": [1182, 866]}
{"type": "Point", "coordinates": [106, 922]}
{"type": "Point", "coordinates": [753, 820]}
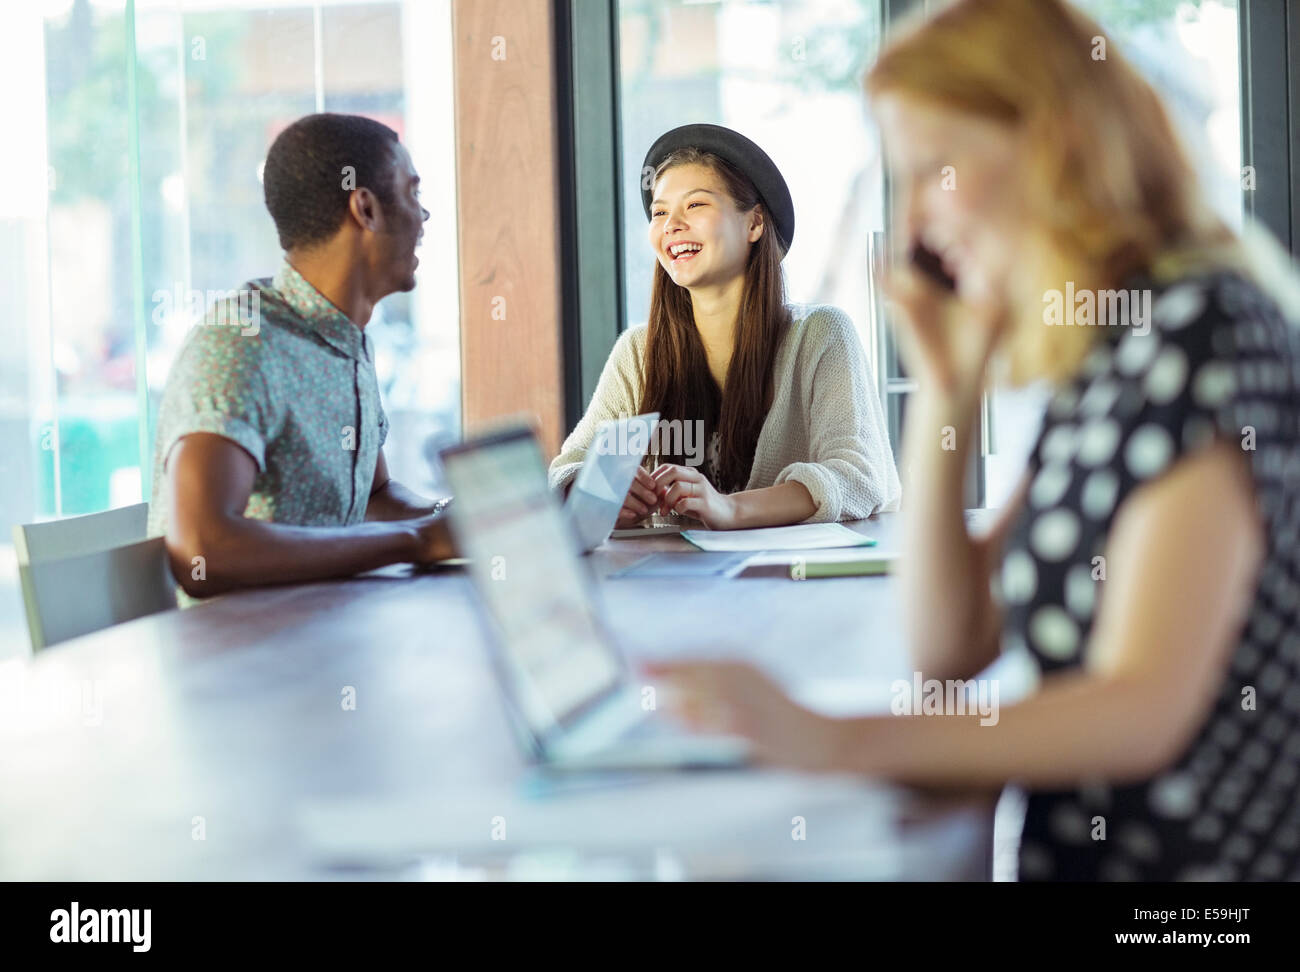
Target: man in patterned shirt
{"type": "Point", "coordinates": [269, 463]}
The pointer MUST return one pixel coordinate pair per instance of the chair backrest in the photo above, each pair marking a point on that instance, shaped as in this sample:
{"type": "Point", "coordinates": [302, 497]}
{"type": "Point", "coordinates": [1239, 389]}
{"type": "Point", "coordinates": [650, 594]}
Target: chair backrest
{"type": "Point", "coordinates": [84, 573]}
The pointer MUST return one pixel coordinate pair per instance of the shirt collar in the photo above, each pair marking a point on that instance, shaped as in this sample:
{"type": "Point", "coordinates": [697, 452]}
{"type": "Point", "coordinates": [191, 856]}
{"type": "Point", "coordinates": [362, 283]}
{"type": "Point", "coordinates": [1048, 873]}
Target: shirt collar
{"type": "Point", "coordinates": [319, 314]}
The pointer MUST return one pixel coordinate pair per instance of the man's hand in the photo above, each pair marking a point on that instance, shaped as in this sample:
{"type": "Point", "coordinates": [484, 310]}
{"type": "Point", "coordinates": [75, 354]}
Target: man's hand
{"type": "Point", "coordinates": [433, 540]}
{"type": "Point", "coordinates": [390, 500]}
{"type": "Point", "coordinates": [214, 548]}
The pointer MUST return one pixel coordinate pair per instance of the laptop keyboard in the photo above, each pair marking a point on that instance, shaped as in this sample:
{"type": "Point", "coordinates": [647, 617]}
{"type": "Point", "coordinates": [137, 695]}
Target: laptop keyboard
{"type": "Point", "coordinates": [656, 727]}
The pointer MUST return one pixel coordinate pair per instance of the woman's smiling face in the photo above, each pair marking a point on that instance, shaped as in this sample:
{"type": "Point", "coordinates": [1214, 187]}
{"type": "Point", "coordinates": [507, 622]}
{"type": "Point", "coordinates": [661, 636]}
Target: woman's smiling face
{"type": "Point", "coordinates": [699, 236]}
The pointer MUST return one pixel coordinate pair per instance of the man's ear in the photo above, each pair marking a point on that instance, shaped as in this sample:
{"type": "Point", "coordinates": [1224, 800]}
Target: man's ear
{"type": "Point", "coordinates": [757, 222]}
{"type": "Point", "coordinates": [364, 208]}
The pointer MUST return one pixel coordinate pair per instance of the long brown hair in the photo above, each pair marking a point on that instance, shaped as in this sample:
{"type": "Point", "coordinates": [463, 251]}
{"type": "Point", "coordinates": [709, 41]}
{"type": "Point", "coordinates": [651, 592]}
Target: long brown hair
{"type": "Point", "coordinates": [678, 384]}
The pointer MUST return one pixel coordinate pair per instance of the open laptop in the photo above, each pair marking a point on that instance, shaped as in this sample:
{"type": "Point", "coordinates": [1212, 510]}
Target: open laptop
{"type": "Point", "coordinates": [597, 494]}
{"type": "Point", "coordinates": [570, 695]}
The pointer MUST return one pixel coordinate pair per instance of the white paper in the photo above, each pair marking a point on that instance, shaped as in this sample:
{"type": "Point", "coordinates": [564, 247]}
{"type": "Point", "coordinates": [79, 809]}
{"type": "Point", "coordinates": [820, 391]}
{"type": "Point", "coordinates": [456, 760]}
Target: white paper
{"type": "Point", "coordinates": [840, 555]}
{"type": "Point", "coordinates": [805, 536]}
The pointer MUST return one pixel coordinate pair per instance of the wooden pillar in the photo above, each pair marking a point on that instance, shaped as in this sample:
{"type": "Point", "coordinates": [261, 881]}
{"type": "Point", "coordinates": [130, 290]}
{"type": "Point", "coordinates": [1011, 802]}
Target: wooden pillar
{"type": "Point", "coordinates": [508, 216]}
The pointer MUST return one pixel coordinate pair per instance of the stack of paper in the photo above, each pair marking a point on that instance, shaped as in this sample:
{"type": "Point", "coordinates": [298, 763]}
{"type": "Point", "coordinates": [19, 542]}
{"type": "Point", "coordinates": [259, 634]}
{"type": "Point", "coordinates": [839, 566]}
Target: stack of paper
{"type": "Point", "coordinates": [806, 536]}
{"type": "Point", "coordinates": [849, 562]}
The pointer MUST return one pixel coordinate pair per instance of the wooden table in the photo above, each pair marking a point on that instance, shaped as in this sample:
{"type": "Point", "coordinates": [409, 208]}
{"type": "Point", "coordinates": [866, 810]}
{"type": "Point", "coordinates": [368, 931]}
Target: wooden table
{"type": "Point", "coordinates": [186, 745]}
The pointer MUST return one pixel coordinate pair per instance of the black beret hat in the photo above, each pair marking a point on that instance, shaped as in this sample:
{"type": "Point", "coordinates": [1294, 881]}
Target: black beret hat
{"type": "Point", "coordinates": [740, 152]}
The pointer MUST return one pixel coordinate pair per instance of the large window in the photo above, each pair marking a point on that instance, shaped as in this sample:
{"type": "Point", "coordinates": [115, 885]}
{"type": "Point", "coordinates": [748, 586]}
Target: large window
{"type": "Point", "coordinates": [787, 73]}
{"type": "Point", "coordinates": [142, 127]}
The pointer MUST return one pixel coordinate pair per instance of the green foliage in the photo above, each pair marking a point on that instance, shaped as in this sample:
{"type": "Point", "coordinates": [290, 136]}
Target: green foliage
{"type": "Point", "coordinates": [1125, 14]}
{"type": "Point", "coordinates": [88, 107]}
{"type": "Point", "coordinates": [833, 57]}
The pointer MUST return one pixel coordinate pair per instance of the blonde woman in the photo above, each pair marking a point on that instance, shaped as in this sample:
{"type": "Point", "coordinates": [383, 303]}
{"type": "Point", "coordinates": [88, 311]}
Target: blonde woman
{"type": "Point", "coordinates": [1150, 562]}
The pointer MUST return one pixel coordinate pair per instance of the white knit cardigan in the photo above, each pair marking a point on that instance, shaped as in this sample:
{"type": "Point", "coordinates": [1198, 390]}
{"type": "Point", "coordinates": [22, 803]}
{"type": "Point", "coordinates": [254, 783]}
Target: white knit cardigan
{"type": "Point", "coordinates": [825, 428]}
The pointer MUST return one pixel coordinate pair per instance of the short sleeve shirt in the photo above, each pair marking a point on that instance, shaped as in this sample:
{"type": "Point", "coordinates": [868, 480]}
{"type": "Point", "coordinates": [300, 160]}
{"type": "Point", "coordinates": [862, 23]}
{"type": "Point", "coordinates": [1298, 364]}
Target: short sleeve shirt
{"type": "Point", "coordinates": [1218, 361]}
{"type": "Point", "coordinates": [284, 374]}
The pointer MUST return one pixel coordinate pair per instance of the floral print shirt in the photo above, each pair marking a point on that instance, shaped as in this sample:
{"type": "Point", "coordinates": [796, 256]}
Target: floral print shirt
{"type": "Point", "coordinates": [284, 374]}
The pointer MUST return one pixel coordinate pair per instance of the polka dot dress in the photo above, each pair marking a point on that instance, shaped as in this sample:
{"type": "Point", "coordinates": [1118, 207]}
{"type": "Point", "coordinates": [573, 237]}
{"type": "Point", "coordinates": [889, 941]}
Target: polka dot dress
{"type": "Point", "coordinates": [1218, 361]}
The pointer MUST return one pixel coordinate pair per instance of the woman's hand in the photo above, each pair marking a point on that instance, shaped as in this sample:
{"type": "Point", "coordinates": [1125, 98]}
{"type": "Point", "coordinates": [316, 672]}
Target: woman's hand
{"type": "Point", "coordinates": [734, 698]}
{"type": "Point", "coordinates": [685, 490]}
{"type": "Point", "coordinates": [947, 339]}
{"type": "Point", "coordinates": [641, 500]}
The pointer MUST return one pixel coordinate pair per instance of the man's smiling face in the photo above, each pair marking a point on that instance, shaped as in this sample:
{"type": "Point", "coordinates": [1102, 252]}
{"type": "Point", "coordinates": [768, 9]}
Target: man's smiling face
{"type": "Point", "coordinates": [403, 223]}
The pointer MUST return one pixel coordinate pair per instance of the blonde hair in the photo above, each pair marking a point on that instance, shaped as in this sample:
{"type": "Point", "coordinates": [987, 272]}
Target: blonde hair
{"type": "Point", "coordinates": [1111, 188]}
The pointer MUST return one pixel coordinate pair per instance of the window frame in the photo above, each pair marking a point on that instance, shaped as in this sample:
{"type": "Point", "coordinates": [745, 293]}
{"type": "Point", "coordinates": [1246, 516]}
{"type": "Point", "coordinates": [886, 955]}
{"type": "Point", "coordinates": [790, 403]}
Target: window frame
{"type": "Point", "coordinates": [587, 118]}
{"type": "Point", "coordinates": [589, 105]}
{"type": "Point", "coordinates": [1269, 46]}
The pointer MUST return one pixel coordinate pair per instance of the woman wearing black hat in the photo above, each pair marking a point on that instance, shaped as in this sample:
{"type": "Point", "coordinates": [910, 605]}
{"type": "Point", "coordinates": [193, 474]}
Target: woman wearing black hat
{"type": "Point", "coordinates": [791, 427]}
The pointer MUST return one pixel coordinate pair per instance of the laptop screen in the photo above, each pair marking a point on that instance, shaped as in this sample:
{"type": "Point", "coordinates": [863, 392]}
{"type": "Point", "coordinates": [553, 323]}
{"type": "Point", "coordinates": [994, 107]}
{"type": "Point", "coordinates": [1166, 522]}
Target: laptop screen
{"type": "Point", "coordinates": [530, 579]}
{"type": "Point", "coordinates": [616, 451]}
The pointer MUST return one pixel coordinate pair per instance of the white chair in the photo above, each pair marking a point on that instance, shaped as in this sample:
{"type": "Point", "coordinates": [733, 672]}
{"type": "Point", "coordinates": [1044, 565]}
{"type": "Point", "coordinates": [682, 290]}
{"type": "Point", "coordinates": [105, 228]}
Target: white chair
{"type": "Point", "coordinates": [84, 573]}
